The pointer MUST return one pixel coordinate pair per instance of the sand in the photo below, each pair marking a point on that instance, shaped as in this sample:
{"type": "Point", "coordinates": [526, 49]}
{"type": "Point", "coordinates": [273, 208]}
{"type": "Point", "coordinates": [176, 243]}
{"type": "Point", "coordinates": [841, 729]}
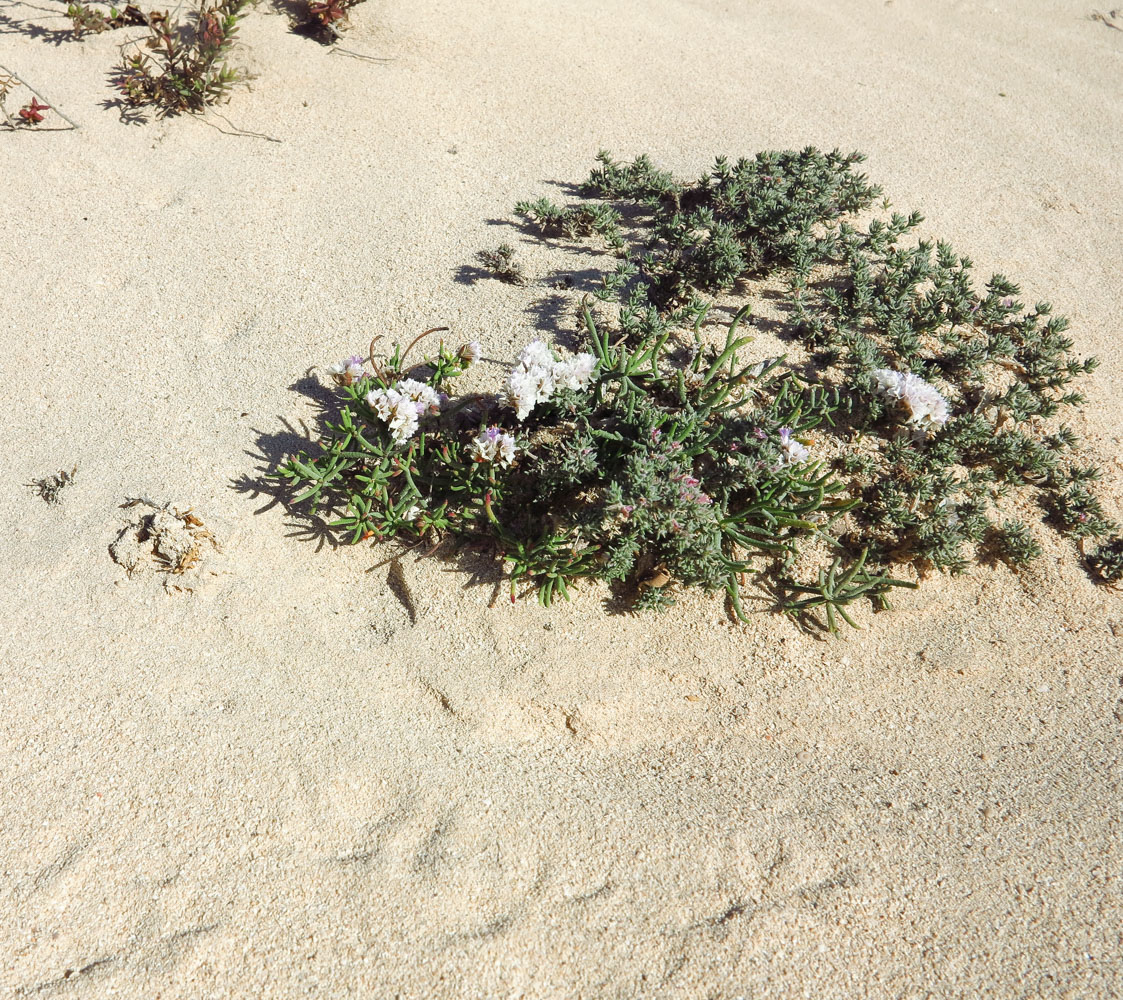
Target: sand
{"type": "Point", "coordinates": [289, 778]}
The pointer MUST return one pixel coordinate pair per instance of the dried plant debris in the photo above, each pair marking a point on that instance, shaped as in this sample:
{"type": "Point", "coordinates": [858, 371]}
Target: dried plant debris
{"type": "Point", "coordinates": [50, 487]}
{"type": "Point", "coordinates": [162, 539]}
{"type": "Point", "coordinates": [502, 264]}
{"type": "Point", "coordinates": [915, 419]}
{"type": "Point", "coordinates": [8, 83]}
{"type": "Point", "coordinates": [1113, 18]}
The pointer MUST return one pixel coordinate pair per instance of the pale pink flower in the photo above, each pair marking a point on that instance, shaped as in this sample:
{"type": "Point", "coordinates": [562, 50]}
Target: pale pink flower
{"type": "Point", "coordinates": [348, 371]}
{"type": "Point", "coordinates": [792, 450]}
{"type": "Point", "coordinates": [493, 445]}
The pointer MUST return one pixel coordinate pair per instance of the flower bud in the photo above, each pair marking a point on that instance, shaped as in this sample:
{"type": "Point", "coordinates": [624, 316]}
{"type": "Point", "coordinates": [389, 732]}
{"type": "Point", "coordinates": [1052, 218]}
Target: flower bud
{"type": "Point", "coordinates": [470, 353]}
{"type": "Point", "coordinates": [348, 371]}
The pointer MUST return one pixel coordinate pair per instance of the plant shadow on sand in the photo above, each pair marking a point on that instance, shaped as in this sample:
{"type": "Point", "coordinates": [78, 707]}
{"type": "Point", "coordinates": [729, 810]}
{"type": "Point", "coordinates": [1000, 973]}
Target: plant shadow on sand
{"type": "Point", "coordinates": [30, 29]}
{"type": "Point", "coordinates": [272, 448]}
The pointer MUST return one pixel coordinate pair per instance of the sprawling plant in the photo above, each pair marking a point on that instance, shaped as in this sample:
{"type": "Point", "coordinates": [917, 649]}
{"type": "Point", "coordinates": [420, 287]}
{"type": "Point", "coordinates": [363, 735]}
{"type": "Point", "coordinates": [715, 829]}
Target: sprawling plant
{"type": "Point", "coordinates": [177, 70]}
{"type": "Point", "coordinates": [918, 425]}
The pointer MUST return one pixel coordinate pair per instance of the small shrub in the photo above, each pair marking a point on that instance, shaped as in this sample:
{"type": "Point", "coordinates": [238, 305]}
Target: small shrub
{"type": "Point", "coordinates": [325, 20]}
{"type": "Point", "coordinates": [1015, 545]}
{"type": "Point", "coordinates": [501, 263]}
{"type": "Point", "coordinates": [1107, 560]}
{"type": "Point", "coordinates": [657, 458]}
{"type": "Point", "coordinates": [573, 222]}
{"type": "Point", "coordinates": [184, 71]}
{"type": "Point", "coordinates": [1078, 512]}
{"type": "Point", "coordinates": [86, 20]}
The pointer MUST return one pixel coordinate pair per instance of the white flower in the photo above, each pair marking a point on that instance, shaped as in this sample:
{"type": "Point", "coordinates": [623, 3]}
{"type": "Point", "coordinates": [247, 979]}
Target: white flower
{"type": "Point", "coordinates": [403, 425]}
{"type": "Point", "coordinates": [538, 374]}
{"type": "Point", "coordinates": [526, 388]}
{"type": "Point", "coordinates": [401, 405]}
{"type": "Point", "coordinates": [383, 402]}
{"type": "Point", "coordinates": [347, 371]}
{"type": "Point", "coordinates": [792, 450]}
{"type": "Point", "coordinates": [470, 353]}
{"type": "Point", "coordinates": [576, 372]}
{"type": "Point", "coordinates": [926, 409]}
{"type": "Point", "coordinates": [412, 513]}
{"type": "Point", "coordinates": [423, 395]}
{"type": "Point", "coordinates": [522, 392]}
{"type": "Point", "coordinates": [492, 445]}
{"type": "Point", "coordinates": [536, 354]}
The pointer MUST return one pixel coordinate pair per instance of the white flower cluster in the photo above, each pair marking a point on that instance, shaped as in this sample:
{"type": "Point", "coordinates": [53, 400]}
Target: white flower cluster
{"type": "Point", "coordinates": [493, 445]}
{"type": "Point", "coordinates": [402, 405]}
{"type": "Point", "coordinates": [792, 450]}
{"type": "Point", "coordinates": [347, 371]}
{"type": "Point", "coordinates": [927, 410]}
{"type": "Point", "coordinates": [538, 375]}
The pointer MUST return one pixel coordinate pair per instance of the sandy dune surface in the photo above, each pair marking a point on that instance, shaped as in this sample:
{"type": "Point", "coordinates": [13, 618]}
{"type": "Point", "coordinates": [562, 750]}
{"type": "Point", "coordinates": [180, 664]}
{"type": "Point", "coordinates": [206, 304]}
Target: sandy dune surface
{"type": "Point", "coordinates": [303, 775]}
